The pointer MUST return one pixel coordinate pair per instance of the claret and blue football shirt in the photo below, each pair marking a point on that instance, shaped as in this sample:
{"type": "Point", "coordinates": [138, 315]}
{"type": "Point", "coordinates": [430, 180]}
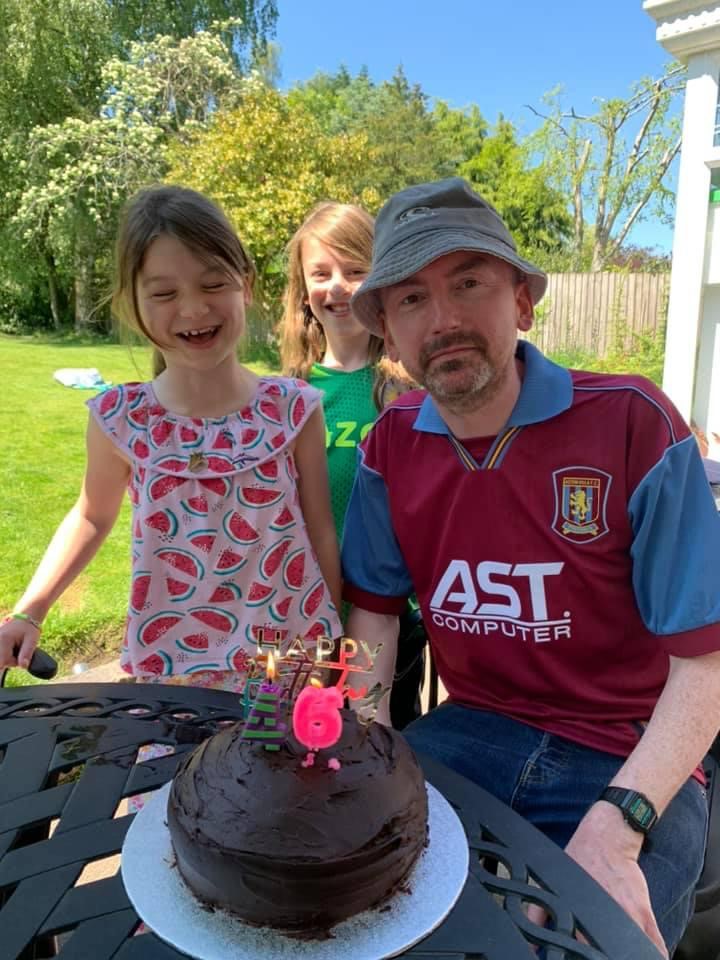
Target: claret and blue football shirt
{"type": "Point", "coordinates": [558, 563]}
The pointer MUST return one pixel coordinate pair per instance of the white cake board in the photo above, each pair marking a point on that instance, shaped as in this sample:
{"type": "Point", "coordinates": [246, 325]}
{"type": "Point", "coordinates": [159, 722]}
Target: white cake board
{"type": "Point", "coordinates": [159, 895]}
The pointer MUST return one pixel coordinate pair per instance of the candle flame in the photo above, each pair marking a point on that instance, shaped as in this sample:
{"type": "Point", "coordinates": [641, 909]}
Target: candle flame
{"type": "Point", "coordinates": [315, 682]}
{"type": "Point", "coordinates": [271, 671]}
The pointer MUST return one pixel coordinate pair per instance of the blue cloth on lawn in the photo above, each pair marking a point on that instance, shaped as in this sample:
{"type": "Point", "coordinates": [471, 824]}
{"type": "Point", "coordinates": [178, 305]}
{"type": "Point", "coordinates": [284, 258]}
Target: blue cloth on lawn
{"type": "Point", "coordinates": [80, 378]}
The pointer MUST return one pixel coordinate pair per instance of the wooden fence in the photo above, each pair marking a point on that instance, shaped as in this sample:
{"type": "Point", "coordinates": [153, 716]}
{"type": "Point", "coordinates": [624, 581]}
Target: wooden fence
{"type": "Point", "coordinates": [594, 312]}
{"type": "Point", "coordinates": [587, 312]}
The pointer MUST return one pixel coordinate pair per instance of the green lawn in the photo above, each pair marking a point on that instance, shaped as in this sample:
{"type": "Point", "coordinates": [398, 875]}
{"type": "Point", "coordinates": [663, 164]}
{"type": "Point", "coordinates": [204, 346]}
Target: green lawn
{"type": "Point", "coordinates": [43, 455]}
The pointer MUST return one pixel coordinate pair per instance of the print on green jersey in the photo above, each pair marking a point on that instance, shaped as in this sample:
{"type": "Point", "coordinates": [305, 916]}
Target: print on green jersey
{"type": "Point", "coordinates": [349, 415]}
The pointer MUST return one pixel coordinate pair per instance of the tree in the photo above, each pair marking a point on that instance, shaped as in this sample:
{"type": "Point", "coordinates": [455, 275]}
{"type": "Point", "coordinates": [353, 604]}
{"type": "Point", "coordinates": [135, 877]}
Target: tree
{"type": "Point", "coordinates": [613, 164]}
{"type": "Point", "coordinates": [408, 141]}
{"type": "Point", "coordinates": [53, 54]}
{"type": "Point", "coordinates": [636, 259]}
{"type": "Point", "coordinates": [54, 51]}
{"type": "Point", "coordinates": [535, 212]}
{"type": "Point", "coordinates": [267, 161]}
{"type": "Point", "coordinates": [78, 172]}
{"type": "Point", "coordinates": [50, 69]}
{"type": "Point", "coordinates": [248, 23]}
{"type": "Point", "coordinates": [53, 70]}
{"type": "Point", "coordinates": [460, 134]}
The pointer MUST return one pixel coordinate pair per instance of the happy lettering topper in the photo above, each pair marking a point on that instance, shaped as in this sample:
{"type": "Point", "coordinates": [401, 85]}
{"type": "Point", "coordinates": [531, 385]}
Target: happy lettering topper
{"type": "Point", "coordinates": [296, 663]}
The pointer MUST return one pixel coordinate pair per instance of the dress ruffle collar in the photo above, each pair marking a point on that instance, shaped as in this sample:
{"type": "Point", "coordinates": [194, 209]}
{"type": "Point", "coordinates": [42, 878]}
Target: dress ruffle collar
{"type": "Point", "coordinates": [209, 447]}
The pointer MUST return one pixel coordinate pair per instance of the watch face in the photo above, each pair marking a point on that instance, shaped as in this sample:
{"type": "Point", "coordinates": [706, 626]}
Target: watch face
{"type": "Point", "coordinates": [641, 811]}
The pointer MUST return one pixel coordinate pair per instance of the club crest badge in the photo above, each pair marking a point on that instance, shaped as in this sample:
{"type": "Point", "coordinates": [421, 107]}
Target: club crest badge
{"type": "Point", "coordinates": [581, 503]}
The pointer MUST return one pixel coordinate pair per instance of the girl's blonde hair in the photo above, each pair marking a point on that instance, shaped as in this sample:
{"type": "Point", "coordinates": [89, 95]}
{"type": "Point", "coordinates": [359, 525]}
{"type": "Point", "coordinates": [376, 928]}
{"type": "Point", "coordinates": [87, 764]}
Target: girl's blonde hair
{"type": "Point", "coordinates": [348, 229]}
{"type": "Point", "coordinates": [194, 220]}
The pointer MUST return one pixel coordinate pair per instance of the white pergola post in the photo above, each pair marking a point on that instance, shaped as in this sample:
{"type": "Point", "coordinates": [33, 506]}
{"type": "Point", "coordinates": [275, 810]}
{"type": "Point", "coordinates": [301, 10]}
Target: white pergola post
{"type": "Point", "coordinates": [690, 31]}
{"type": "Point", "coordinates": [691, 223]}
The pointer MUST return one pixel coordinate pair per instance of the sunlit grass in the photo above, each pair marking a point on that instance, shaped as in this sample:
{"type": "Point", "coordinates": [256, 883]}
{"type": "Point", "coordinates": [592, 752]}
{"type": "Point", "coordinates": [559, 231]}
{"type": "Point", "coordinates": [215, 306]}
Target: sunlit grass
{"type": "Point", "coordinates": [42, 444]}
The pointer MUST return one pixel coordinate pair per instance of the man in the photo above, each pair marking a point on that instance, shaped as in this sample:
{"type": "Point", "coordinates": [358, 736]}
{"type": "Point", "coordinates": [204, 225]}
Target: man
{"type": "Point", "coordinates": [560, 535]}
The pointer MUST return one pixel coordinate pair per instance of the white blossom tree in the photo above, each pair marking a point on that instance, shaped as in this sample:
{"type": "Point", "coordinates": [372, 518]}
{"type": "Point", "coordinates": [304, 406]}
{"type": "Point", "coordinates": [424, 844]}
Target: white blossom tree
{"type": "Point", "coordinates": [78, 172]}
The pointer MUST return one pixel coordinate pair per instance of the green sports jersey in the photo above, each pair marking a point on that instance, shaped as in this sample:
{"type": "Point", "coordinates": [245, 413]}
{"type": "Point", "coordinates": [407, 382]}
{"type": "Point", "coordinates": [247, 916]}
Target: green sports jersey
{"type": "Point", "coordinates": [349, 414]}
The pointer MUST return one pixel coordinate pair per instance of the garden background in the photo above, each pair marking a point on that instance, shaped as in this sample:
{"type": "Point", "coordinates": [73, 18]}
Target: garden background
{"type": "Point", "coordinates": [100, 98]}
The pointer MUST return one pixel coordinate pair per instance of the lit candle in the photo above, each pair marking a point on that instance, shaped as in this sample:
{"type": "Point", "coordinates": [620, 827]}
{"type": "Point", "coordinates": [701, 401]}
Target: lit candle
{"type": "Point", "coordinates": [268, 686]}
{"type": "Point", "coordinates": [316, 717]}
{"type": "Point", "coordinates": [264, 721]}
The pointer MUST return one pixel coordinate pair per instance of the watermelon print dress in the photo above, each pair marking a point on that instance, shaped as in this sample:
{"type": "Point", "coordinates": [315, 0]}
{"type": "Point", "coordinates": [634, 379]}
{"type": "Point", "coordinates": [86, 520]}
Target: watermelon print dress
{"type": "Point", "coordinates": [219, 544]}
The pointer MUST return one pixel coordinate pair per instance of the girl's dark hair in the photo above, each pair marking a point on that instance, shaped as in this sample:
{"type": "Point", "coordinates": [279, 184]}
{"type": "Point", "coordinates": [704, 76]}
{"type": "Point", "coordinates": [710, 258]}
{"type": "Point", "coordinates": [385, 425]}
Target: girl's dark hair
{"type": "Point", "coordinates": [194, 220]}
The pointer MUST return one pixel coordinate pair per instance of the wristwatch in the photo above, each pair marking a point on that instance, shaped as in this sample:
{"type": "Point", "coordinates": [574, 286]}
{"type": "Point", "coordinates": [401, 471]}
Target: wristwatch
{"type": "Point", "coordinates": [635, 807]}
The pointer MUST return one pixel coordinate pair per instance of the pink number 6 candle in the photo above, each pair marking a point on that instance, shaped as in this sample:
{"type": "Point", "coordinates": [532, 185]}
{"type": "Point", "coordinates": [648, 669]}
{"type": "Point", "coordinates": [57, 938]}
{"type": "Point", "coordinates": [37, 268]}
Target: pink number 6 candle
{"type": "Point", "coordinates": [316, 717]}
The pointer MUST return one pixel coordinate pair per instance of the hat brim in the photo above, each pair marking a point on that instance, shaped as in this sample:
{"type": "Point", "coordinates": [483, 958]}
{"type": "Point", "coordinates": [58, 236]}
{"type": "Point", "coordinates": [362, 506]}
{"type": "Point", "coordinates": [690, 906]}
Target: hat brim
{"type": "Point", "coordinates": [417, 252]}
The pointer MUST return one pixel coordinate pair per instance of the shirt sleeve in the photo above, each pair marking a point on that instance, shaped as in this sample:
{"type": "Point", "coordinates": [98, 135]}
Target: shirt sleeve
{"type": "Point", "coordinates": [676, 549]}
{"type": "Point", "coordinates": [374, 571]}
{"type": "Point", "coordinates": [121, 413]}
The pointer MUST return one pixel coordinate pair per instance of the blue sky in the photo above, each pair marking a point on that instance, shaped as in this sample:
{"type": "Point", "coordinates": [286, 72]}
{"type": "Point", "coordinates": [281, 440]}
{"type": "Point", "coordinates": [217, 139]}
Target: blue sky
{"type": "Point", "coordinates": [499, 55]}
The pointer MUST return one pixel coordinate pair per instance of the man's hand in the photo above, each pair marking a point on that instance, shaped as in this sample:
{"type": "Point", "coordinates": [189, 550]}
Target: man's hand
{"type": "Point", "coordinates": [607, 848]}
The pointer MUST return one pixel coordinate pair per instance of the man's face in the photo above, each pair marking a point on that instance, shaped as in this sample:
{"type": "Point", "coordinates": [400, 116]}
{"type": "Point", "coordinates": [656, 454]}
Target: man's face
{"type": "Point", "coordinates": [454, 326]}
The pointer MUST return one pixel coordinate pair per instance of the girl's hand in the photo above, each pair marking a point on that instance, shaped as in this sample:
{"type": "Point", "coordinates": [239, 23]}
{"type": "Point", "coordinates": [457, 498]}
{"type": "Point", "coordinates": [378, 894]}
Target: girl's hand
{"type": "Point", "coordinates": [20, 636]}
{"type": "Point", "coordinates": [392, 381]}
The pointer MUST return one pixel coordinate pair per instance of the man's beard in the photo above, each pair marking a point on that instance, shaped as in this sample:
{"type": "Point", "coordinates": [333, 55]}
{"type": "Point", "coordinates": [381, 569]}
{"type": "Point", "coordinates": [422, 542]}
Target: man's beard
{"type": "Point", "coordinates": [460, 383]}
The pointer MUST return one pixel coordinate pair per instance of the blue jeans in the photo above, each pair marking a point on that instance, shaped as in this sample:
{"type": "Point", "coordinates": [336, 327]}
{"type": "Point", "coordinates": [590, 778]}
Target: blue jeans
{"type": "Point", "coordinates": [552, 782]}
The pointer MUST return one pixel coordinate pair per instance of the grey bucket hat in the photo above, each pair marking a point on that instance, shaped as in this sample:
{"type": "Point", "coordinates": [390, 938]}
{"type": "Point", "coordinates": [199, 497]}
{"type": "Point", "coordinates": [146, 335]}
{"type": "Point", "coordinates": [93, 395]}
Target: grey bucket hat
{"type": "Point", "coordinates": [422, 223]}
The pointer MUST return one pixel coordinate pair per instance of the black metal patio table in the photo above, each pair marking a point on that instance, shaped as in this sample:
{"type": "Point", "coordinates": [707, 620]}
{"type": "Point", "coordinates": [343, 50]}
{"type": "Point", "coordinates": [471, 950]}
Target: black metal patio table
{"type": "Point", "coordinates": [67, 757]}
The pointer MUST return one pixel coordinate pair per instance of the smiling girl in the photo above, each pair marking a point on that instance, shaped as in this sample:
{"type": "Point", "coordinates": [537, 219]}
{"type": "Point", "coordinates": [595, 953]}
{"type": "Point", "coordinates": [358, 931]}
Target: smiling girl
{"type": "Point", "coordinates": [321, 341]}
{"type": "Point", "coordinates": [219, 465]}
{"type": "Point", "coordinates": [329, 257]}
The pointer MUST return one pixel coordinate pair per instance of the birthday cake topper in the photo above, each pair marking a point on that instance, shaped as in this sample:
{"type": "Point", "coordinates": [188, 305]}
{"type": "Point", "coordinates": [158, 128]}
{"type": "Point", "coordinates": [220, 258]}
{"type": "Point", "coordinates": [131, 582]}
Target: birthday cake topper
{"type": "Point", "coordinates": [282, 670]}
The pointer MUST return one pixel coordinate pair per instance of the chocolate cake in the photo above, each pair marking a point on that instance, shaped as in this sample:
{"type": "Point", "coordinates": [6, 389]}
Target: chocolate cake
{"type": "Point", "coordinates": [292, 847]}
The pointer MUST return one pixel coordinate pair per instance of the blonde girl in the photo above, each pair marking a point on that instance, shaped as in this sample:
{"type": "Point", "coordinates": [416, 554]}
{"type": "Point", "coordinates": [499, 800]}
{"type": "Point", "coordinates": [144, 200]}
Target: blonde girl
{"type": "Point", "coordinates": [328, 258]}
{"type": "Point", "coordinates": [321, 342]}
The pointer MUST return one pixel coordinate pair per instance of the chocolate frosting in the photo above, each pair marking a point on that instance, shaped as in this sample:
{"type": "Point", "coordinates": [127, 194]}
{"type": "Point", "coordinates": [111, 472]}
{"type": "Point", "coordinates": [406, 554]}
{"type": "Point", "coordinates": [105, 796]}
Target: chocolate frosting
{"type": "Point", "coordinates": [292, 847]}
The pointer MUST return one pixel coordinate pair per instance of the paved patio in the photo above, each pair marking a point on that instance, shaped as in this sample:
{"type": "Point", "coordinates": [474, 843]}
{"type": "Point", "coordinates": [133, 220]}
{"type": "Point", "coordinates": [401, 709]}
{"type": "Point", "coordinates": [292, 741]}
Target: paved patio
{"type": "Point", "coordinates": [109, 672]}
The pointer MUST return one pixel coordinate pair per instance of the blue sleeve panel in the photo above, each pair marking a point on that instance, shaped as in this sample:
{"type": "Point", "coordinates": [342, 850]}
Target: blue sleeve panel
{"type": "Point", "coordinates": [371, 556]}
{"type": "Point", "coordinates": [676, 546]}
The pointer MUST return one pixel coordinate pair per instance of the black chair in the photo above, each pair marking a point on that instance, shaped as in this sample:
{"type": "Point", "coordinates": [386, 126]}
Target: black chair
{"type": "Point", "coordinates": [407, 685]}
{"type": "Point", "coordinates": [702, 937]}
